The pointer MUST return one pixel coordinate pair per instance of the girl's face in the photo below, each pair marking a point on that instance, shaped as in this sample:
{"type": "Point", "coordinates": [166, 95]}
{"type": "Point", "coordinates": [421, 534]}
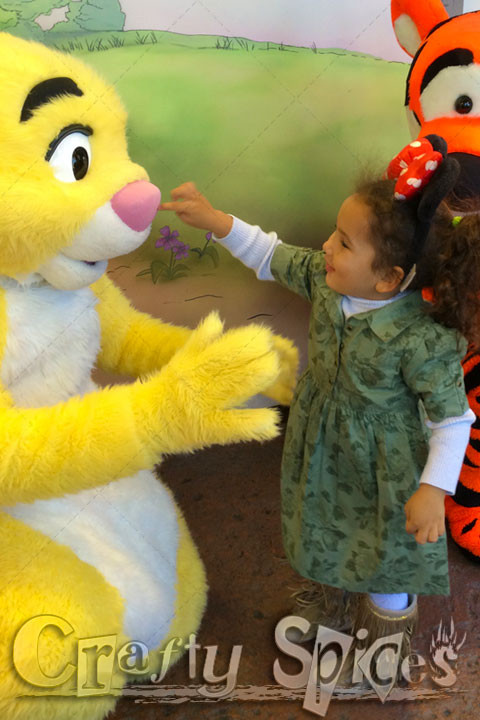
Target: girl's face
{"type": "Point", "coordinates": [349, 255]}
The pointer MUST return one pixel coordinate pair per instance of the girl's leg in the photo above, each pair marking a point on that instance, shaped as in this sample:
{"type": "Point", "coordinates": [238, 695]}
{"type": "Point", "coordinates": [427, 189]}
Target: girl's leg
{"type": "Point", "coordinates": [390, 601]}
{"type": "Point", "coordinates": [372, 621]}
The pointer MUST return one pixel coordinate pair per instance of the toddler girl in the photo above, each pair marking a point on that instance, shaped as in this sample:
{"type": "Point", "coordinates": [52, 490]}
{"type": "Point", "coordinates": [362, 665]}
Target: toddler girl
{"type": "Point", "coordinates": [380, 421]}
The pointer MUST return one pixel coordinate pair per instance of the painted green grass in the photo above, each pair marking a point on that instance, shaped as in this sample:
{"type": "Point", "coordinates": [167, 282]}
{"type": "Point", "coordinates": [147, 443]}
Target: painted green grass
{"type": "Point", "coordinates": [275, 137]}
{"type": "Point", "coordinates": [94, 42]}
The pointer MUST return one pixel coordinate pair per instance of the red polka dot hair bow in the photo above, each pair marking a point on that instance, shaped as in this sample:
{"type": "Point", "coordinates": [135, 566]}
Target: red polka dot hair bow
{"type": "Point", "coordinates": [413, 168]}
{"type": "Point", "coordinates": [425, 176]}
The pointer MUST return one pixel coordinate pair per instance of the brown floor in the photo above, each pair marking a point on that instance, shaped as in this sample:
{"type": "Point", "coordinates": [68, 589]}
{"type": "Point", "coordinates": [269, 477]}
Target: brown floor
{"type": "Point", "coordinates": [230, 498]}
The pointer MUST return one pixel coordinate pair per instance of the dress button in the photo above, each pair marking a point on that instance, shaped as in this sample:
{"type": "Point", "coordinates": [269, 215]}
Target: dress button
{"type": "Point", "coordinates": [349, 327]}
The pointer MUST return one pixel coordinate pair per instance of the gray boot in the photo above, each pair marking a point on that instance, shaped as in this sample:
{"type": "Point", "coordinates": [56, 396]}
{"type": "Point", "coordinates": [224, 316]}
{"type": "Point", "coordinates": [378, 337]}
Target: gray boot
{"type": "Point", "coordinates": [320, 605]}
{"type": "Point", "coordinates": [379, 622]}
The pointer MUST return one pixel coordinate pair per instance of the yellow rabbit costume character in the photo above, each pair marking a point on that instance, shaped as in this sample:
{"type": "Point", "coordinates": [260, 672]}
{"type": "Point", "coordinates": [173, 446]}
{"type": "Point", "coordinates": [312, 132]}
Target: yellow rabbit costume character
{"type": "Point", "coordinates": [92, 543]}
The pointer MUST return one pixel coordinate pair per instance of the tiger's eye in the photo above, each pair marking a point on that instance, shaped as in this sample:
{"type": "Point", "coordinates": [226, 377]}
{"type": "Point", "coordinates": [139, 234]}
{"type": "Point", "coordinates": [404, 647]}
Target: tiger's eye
{"type": "Point", "coordinates": [463, 104]}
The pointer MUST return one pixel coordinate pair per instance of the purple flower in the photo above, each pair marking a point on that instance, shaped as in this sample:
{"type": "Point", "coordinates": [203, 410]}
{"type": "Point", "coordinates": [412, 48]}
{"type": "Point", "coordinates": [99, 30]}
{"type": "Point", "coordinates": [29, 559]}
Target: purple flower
{"type": "Point", "coordinates": [181, 251]}
{"type": "Point", "coordinates": [209, 237]}
{"type": "Point", "coordinates": [169, 238]}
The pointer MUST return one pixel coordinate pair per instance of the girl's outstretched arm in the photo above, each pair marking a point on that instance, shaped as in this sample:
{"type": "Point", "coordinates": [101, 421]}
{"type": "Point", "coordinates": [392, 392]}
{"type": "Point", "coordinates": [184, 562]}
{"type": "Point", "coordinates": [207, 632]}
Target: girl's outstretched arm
{"type": "Point", "coordinates": [194, 209]}
{"type": "Point", "coordinates": [253, 247]}
{"type": "Point", "coordinates": [249, 243]}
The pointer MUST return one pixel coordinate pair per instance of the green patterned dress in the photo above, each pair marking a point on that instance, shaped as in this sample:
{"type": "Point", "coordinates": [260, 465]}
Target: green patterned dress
{"type": "Point", "coordinates": [356, 442]}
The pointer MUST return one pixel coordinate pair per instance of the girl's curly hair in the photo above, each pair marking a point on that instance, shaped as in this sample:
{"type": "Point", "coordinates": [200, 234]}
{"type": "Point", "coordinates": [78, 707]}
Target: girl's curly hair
{"type": "Point", "coordinates": [449, 261]}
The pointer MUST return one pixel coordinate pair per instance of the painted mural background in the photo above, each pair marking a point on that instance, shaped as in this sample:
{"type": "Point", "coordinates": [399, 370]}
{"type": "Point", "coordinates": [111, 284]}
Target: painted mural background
{"type": "Point", "coordinates": [272, 108]}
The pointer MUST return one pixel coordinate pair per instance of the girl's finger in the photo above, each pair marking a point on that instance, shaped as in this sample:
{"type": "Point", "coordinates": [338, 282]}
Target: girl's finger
{"type": "Point", "coordinates": [410, 527]}
{"type": "Point", "coordinates": [421, 536]}
{"type": "Point", "coordinates": [174, 206]}
{"type": "Point", "coordinates": [433, 535]}
{"type": "Point", "coordinates": [187, 191]}
{"type": "Point", "coordinates": [167, 206]}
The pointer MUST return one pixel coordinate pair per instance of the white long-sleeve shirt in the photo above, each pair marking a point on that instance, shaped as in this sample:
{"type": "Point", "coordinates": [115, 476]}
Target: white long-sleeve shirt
{"type": "Point", "coordinates": [449, 438]}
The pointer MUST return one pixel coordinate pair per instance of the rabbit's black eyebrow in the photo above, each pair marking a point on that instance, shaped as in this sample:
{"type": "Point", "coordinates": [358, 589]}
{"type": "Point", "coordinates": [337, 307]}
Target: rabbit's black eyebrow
{"type": "Point", "coordinates": [47, 91]}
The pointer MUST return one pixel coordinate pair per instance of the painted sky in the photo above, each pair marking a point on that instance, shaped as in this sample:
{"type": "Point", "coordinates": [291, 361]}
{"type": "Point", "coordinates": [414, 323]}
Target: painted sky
{"type": "Point", "coordinates": [361, 25]}
{"type": "Point", "coordinates": [470, 5]}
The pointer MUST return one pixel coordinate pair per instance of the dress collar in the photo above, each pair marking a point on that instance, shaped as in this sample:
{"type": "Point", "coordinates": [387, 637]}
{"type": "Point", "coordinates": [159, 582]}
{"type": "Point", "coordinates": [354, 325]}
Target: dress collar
{"type": "Point", "coordinates": [386, 321]}
{"type": "Point", "coordinates": [391, 319]}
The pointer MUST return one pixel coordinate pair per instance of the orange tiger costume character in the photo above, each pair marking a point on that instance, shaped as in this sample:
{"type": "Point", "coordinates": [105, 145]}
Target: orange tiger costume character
{"type": "Point", "coordinates": [443, 97]}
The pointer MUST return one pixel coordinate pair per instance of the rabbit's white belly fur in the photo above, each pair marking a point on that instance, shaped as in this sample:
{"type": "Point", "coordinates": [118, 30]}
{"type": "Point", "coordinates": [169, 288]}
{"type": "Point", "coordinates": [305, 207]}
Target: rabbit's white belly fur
{"type": "Point", "coordinates": [127, 529]}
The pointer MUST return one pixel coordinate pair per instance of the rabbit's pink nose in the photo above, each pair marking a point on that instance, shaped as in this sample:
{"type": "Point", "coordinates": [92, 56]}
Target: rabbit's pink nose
{"type": "Point", "coordinates": [137, 204]}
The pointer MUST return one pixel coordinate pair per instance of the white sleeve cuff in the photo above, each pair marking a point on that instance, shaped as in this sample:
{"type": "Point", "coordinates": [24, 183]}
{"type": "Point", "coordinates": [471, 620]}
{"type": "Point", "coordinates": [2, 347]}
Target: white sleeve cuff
{"type": "Point", "coordinates": [253, 247]}
{"type": "Point", "coordinates": [447, 446]}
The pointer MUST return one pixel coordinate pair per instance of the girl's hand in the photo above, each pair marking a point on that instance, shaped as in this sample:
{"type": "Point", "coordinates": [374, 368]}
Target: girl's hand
{"type": "Point", "coordinates": [425, 512]}
{"type": "Point", "coordinates": [194, 209]}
